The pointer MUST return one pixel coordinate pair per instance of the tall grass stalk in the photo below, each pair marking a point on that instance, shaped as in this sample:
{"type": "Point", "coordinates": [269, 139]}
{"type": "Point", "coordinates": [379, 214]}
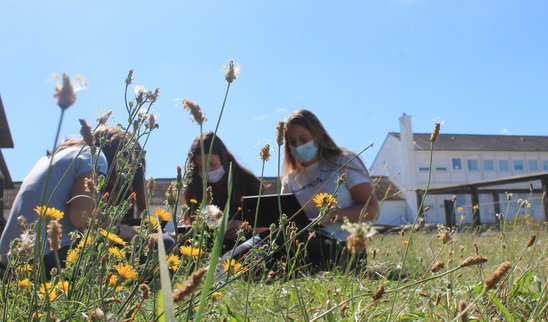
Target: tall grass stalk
{"type": "Point", "coordinates": [215, 252]}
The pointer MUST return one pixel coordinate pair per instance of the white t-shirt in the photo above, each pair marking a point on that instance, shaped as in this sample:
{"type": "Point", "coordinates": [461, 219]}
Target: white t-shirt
{"type": "Point", "coordinates": [304, 183]}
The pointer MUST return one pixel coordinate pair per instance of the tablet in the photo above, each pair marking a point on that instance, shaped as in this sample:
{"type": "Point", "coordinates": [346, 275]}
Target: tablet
{"type": "Point", "coordinates": [269, 211]}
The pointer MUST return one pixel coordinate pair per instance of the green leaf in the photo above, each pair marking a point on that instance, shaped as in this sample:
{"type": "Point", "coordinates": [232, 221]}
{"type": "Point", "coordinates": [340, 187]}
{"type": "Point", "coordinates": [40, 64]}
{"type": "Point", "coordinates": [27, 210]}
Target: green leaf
{"type": "Point", "coordinates": [501, 307]}
{"type": "Point", "coordinates": [160, 307]}
{"type": "Point", "coordinates": [215, 252]}
{"type": "Point", "coordinates": [522, 282]}
{"type": "Point", "coordinates": [478, 289]}
{"type": "Point", "coordinates": [167, 300]}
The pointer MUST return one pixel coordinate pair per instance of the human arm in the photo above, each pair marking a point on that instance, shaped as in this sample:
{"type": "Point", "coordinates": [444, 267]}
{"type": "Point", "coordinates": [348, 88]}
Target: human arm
{"type": "Point", "coordinates": [365, 206]}
{"type": "Point", "coordinates": [82, 204]}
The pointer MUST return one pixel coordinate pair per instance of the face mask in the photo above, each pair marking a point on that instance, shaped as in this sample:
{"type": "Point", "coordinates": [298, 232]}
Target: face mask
{"type": "Point", "coordinates": [215, 175]}
{"type": "Point", "coordinates": [305, 152]}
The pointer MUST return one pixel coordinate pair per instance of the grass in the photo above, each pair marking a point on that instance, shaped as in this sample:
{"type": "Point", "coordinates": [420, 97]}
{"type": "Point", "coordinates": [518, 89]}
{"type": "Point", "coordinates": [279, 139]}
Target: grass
{"type": "Point", "coordinates": [105, 279]}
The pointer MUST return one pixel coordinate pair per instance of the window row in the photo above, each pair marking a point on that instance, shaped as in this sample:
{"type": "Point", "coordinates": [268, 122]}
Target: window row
{"type": "Point", "coordinates": [503, 165]}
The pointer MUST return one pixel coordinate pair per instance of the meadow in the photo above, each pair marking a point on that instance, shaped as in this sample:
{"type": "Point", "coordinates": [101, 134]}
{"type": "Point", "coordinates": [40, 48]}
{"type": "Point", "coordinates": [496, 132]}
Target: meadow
{"type": "Point", "coordinates": [487, 273]}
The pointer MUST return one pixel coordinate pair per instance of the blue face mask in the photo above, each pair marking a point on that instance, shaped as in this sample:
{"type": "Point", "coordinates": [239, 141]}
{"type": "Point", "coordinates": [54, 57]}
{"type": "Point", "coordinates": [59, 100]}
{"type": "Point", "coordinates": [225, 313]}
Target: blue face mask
{"type": "Point", "coordinates": [305, 152]}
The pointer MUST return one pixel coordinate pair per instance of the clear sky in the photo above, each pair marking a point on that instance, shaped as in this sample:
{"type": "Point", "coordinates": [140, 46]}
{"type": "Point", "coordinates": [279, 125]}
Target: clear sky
{"type": "Point", "coordinates": [480, 66]}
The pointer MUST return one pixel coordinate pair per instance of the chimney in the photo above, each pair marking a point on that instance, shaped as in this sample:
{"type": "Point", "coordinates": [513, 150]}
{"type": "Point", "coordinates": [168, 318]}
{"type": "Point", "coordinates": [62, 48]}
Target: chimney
{"type": "Point", "coordinates": [409, 166]}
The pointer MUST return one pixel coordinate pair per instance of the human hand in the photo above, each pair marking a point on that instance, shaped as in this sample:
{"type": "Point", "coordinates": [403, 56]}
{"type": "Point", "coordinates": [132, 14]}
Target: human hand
{"type": "Point", "coordinates": [232, 228]}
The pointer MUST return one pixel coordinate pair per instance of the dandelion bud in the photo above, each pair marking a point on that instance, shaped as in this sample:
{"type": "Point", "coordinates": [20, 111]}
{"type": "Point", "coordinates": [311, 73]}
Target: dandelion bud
{"type": "Point", "coordinates": [438, 266]}
{"type": "Point", "coordinates": [531, 240]}
{"type": "Point", "coordinates": [97, 315]}
{"type": "Point", "coordinates": [171, 195]}
{"type": "Point", "coordinates": [356, 242]}
{"type": "Point", "coordinates": [473, 260]}
{"type": "Point", "coordinates": [190, 285]}
{"type": "Point", "coordinates": [66, 96]}
{"type": "Point", "coordinates": [444, 237]}
{"type": "Point", "coordinates": [438, 299]}
{"type": "Point", "coordinates": [151, 122]}
{"type": "Point", "coordinates": [265, 152]}
{"type": "Point", "coordinates": [280, 133]}
{"type": "Point", "coordinates": [89, 185]}
{"type": "Point", "coordinates": [209, 195]}
{"type": "Point", "coordinates": [129, 78]}
{"type": "Point", "coordinates": [145, 291]}
{"type": "Point", "coordinates": [102, 120]}
{"type": "Point", "coordinates": [435, 133]}
{"type": "Point", "coordinates": [508, 196]}
{"type": "Point", "coordinates": [231, 73]}
{"type": "Point", "coordinates": [378, 293]}
{"type": "Point", "coordinates": [22, 221]}
{"type": "Point", "coordinates": [462, 307]}
{"type": "Point", "coordinates": [454, 198]}
{"type": "Point", "coordinates": [85, 130]}
{"type": "Point", "coordinates": [54, 232]}
{"type": "Point", "coordinates": [497, 275]}
{"type": "Point", "coordinates": [151, 185]}
{"type": "Point", "coordinates": [131, 313]}
{"type": "Point", "coordinates": [195, 110]}
{"type": "Point", "coordinates": [426, 209]}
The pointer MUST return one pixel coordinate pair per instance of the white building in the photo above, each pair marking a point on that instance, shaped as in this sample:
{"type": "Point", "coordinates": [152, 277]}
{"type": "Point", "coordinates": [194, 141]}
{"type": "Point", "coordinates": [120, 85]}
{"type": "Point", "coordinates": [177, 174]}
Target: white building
{"type": "Point", "coordinates": [460, 159]}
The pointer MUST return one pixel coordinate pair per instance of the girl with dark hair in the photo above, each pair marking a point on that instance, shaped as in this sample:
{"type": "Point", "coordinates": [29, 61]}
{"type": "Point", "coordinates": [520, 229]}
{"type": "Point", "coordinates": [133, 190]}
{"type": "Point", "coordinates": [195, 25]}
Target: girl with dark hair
{"type": "Point", "coordinates": [72, 169]}
{"type": "Point", "coordinates": [244, 183]}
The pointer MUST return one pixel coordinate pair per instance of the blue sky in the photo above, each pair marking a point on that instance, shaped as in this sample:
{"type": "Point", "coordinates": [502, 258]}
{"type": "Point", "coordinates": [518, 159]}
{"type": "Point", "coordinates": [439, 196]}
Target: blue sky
{"type": "Point", "coordinates": [480, 66]}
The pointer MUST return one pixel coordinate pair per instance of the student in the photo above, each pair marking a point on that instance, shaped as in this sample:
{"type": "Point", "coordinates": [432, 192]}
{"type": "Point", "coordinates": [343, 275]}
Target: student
{"type": "Point", "coordinates": [244, 183]}
{"type": "Point", "coordinates": [313, 163]}
{"type": "Point", "coordinates": [73, 164]}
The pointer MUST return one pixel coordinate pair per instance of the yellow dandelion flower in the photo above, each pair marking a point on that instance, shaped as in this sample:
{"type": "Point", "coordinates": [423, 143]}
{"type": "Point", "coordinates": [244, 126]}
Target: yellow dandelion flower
{"type": "Point", "coordinates": [162, 214]}
{"type": "Point", "coordinates": [72, 256]}
{"type": "Point", "coordinates": [25, 268]}
{"type": "Point", "coordinates": [194, 201]}
{"type": "Point", "coordinates": [462, 217]}
{"type": "Point", "coordinates": [405, 241]}
{"type": "Point", "coordinates": [24, 283]}
{"type": "Point", "coordinates": [325, 200]}
{"type": "Point", "coordinates": [460, 209]}
{"type": "Point", "coordinates": [173, 262]}
{"type": "Point", "coordinates": [190, 251]}
{"type": "Point", "coordinates": [475, 207]}
{"type": "Point", "coordinates": [117, 252]}
{"type": "Point", "coordinates": [217, 295]}
{"type": "Point", "coordinates": [50, 213]}
{"type": "Point", "coordinates": [63, 286]}
{"type": "Point", "coordinates": [231, 266]}
{"type": "Point", "coordinates": [86, 242]}
{"type": "Point", "coordinates": [112, 237]}
{"type": "Point", "coordinates": [112, 280]}
{"type": "Point", "coordinates": [36, 315]}
{"type": "Point", "coordinates": [47, 289]}
{"type": "Point", "coordinates": [152, 222]}
{"type": "Point", "coordinates": [119, 288]}
{"type": "Point", "coordinates": [126, 271]}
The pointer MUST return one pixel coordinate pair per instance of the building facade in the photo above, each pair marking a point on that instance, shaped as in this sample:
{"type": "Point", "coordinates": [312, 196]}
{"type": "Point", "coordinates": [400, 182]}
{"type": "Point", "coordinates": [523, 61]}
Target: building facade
{"type": "Point", "coordinates": [459, 159]}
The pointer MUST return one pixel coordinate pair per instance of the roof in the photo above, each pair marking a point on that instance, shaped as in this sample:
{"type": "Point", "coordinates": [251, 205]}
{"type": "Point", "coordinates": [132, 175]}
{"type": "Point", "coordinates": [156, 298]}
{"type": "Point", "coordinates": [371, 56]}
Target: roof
{"type": "Point", "coordinates": [8, 184]}
{"type": "Point", "coordinates": [5, 134]}
{"type": "Point", "coordinates": [475, 142]}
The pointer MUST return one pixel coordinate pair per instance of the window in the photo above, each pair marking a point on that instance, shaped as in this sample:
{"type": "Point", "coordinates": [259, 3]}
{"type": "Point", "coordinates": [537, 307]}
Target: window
{"type": "Point", "coordinates": [473, 165]}
{"type": "Point", "coordinates": [518, 165]}
{"type": "Point", "coordinates": [545, 165]}
{"type": "Point", "coordinates": [424, 169]}
{"type": "Point", "coordinates": [488, 165]}
{"type": "Point", "coordinates": [441, 169]}
{"type": "Point", "coordinates": [457, 163]}
{"type": "Point", "coordinates": [533, 165]}
{"type": "Point", "coordinates": [503, 165]}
